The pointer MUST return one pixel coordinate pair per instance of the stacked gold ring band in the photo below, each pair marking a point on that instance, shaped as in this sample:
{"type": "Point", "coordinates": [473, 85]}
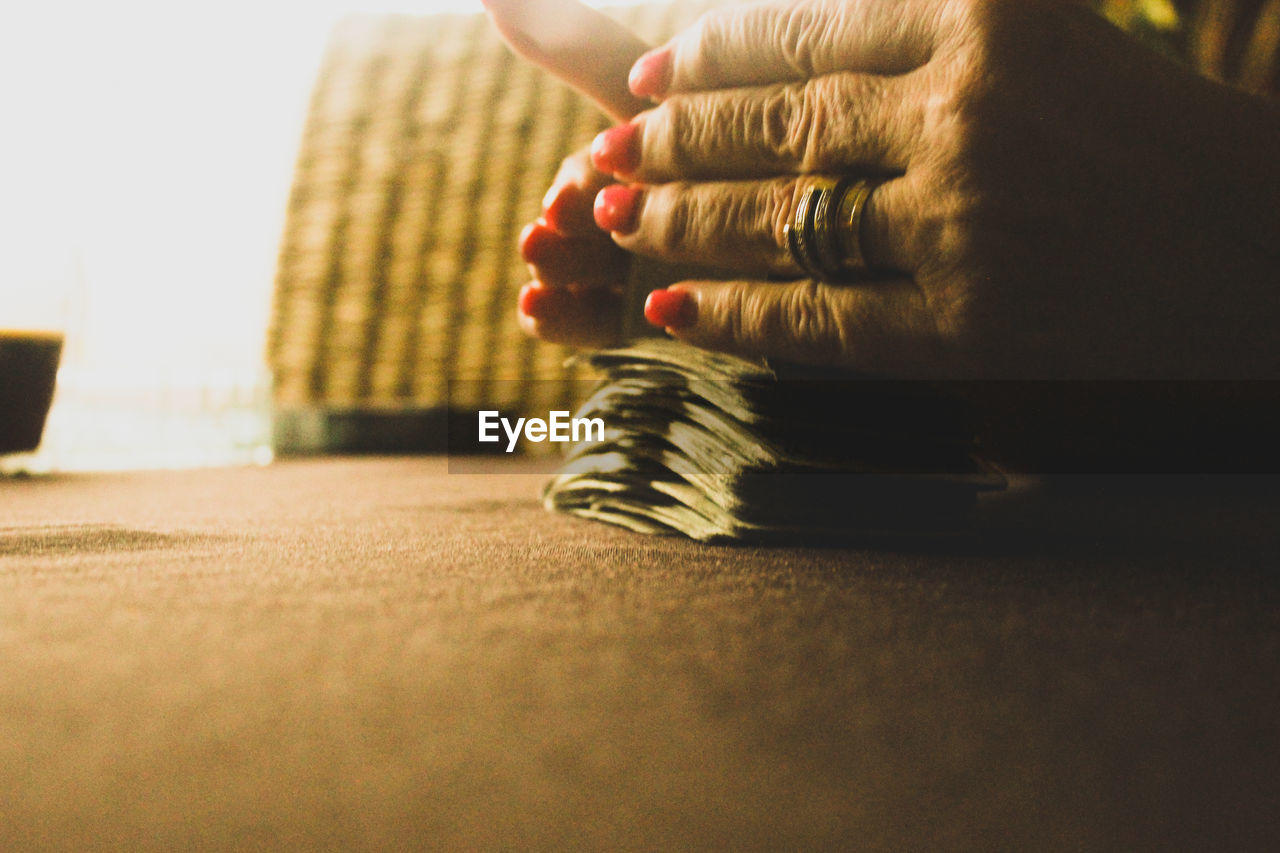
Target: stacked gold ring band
{"type": "Point", "coordinates": [825, 234]}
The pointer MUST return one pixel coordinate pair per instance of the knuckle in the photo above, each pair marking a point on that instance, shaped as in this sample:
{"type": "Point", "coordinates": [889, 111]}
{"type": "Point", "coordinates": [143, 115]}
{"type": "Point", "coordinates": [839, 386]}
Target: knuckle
{"type": "Point", "coordinates": [829, 123]}
{"type": "Point", "coordinates": [745, 222]}
{"type": "Point", "coordinates": [819, 328]}
{"type": "Point", "coordinates": [956, 131]}
{"type": "Point", "coordinates": [849, 124]}
{"type": "Point", "coordinates": [804, 319]}
{"type": "Point", "coordinates": [704, 48]}
{"type": "Point", "coordinates": [792, 125]}
{"type": "Point", "coordinates": [687, 222]}
{"type": "Point", "coordinates": [676, 130]}
{"type": "Point", "coordinates": [800, 30]}
{"type": "Point", "coordinates": [671, 230]}
{"type": "Point", "coordinates": [957, 117]}
{"type": "Point", "coordinates": [794, 121]}
{"type": "Point", "coordinates": [778, 109]}
{"type": "Point", "coordinates": [819, 122]}
{"type": "Point", "coordinates": [724, 317]}
{"type": "Point", "coordinates": [708, 37]}
{"type": "Point", "coordinates": [832, 122]}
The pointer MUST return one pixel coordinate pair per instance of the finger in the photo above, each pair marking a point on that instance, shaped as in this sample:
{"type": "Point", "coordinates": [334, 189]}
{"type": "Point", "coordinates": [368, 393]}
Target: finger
{"type": "Point", "coordinates": [588, 50]}
{"type": "Point", "coordinates": [580, 317]}
{"type": "Point", "coordinates": [555, 259]}
{"type": "Point", "coordinates": [829, 124]}
{"type": "Point", "coordinates": [764, 43]}
{"type": "Point", "coordinates": [567, 205]}
{"type": "Point", "coordinates": [883, 328]}
{"type": "Point", "coordinates": [741, 225]}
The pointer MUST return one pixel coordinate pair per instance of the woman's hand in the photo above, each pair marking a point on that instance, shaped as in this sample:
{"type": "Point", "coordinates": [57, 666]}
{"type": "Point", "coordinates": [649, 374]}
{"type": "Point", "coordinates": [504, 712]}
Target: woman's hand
{"type": "Point", "coordinates": [577, 294]}
{"type": "Point", "coordinates": [580, 275]}
{"type": "Point", "coordinates": [1057, 201]}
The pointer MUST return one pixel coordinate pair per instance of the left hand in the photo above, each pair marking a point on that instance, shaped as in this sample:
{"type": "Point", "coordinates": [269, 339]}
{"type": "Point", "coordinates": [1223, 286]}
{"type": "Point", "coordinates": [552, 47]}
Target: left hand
{"type": "Point", "coordinates": [577, 295]}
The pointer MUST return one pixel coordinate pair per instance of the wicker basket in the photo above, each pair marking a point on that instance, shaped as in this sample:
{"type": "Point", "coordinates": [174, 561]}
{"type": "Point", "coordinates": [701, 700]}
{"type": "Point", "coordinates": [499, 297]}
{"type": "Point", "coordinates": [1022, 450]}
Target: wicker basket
{"type": "Point", "coordinates": [427, 146]}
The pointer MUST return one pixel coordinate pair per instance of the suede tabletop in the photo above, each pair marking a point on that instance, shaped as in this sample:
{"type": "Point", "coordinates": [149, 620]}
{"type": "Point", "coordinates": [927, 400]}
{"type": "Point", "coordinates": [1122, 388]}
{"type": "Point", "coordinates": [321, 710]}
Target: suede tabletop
{"type": "Point", "coordinates": [377, 654]}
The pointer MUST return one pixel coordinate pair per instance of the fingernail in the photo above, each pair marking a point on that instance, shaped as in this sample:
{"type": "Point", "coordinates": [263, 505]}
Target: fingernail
{"type": "Point", "coordinates": [651, 75]}
{"type": "Point", "coordinates": [538, 301]}
{"type": "Point", "coordinates": [536, 241]}
{"type": "Point", "coordinates": [559, 204]}
{"type": "Point", "coordinates": [670, 309]}
{"type": "Point", "coordinates": [617, 150]}
{"type": "Point", "coordinates": [616, 207]}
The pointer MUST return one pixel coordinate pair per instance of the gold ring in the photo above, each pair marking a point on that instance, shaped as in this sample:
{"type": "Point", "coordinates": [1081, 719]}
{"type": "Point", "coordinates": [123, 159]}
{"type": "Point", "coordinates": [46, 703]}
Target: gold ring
{"type": "Point", "coordinates": [852, 207]}
{"type": "Point", "coordinates": [824, 237]}
{"type": "Point", "coordinates": [800, 234]}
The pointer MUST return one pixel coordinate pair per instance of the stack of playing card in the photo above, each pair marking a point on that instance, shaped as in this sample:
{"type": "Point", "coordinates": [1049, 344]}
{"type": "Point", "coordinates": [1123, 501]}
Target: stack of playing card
{"type": "Point", "coordinates": [722, 449]}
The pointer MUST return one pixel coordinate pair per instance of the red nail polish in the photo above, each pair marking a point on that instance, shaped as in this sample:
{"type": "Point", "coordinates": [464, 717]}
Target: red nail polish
{"type": "Point", "coordinates": [536, 241]}
{"type": "Point", "coordinates": [617, 150]}
{"type": "Point", "coordinates": [561, 205]}
{"type": "Point", "coordinates": [670, 309]}
{"type": "Point", "coordinates": [651, 75]}
{"type": "Point", "coordinates": [615, 208]}
{"type": "Point", "coordinates": [538, 301]}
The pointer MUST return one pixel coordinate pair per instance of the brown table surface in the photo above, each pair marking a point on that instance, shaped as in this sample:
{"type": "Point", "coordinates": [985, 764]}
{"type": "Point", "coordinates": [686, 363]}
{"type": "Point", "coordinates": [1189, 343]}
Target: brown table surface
{"type": "Point", "coordinates": [378, 654]}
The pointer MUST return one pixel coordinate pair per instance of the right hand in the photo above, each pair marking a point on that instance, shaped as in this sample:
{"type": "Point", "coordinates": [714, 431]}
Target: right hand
{"type": "Point", "coordinates": [1061, 203]}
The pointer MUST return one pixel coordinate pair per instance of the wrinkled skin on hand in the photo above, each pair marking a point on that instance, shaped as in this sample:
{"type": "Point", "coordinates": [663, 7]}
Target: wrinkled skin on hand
{"type": "Point", "coordinates": [1058, 202]}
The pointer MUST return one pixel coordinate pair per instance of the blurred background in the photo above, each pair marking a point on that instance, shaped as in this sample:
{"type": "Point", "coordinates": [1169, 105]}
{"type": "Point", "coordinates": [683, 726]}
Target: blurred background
{"type": "Point", "coordinates": [145, 164]}
{"type": "Point", "coordinates": [147, 154]}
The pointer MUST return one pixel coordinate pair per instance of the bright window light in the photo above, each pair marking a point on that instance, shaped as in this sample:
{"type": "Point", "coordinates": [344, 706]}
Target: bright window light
{"type": "Point", "coordinates": [145, 165]}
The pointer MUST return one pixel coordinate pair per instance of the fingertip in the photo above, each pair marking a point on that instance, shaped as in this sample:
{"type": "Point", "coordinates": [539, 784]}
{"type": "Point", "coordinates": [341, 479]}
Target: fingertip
{"type": "Point", "coordinates": [590, 317]}
{"type": "Point", "coordinates": [615, 208]}
{"type": "Point", "coordinates": [536, 241]}
{"type": "Point", "coordinates": [537, 301]}
{"type": "Point", "coordinates": [521, 241]}
{"type": "Point", "coordinates": [650, 77]}
{"type": "Point", "coordinates": [670, 308]}
{"type": "Point", "coordinates": [564, 207]}
{"type": "Point", "coordinates": [616, 151]}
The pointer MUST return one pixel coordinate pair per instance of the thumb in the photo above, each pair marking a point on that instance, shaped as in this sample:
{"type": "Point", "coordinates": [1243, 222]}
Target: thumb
{"type": "Point", "coordinates": [879, 326]}
{"type": "Point", "coordinates": [586, 49]}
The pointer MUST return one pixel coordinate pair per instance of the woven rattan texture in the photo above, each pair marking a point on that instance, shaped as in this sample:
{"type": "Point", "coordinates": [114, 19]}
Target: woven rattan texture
{"type": "Point", "coordinates": [427, 146]}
